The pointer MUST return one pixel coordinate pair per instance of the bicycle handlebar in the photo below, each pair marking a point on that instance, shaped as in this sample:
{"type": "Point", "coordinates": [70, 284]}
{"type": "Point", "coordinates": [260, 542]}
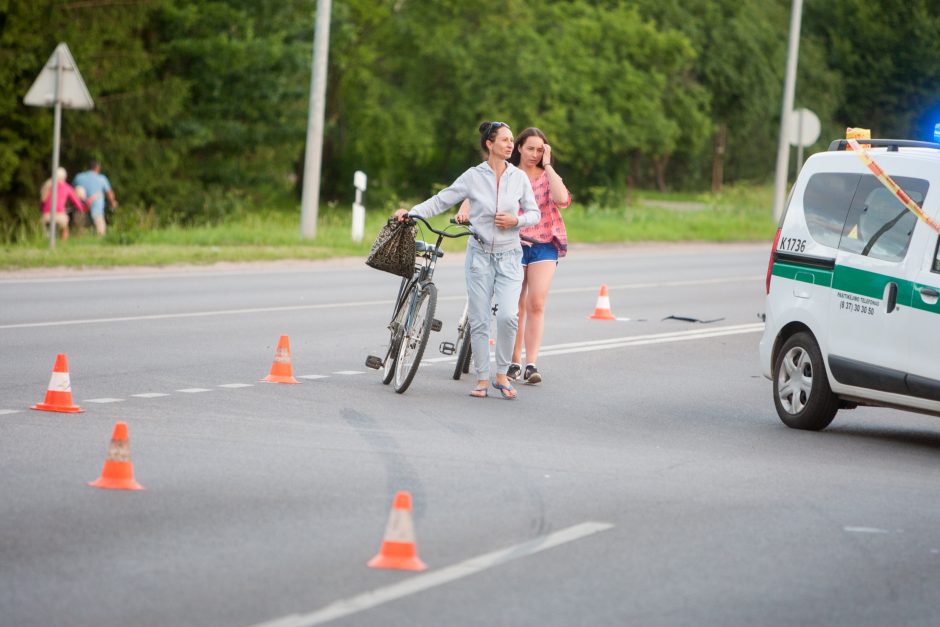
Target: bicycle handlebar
{"type": "Point", "coordinates": [445, 232]}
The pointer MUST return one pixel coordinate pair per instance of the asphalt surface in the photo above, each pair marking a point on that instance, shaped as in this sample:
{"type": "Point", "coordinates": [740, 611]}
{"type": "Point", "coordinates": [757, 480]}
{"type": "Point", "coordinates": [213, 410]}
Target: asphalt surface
{"type": "Point", "coordinates": [647, 481]}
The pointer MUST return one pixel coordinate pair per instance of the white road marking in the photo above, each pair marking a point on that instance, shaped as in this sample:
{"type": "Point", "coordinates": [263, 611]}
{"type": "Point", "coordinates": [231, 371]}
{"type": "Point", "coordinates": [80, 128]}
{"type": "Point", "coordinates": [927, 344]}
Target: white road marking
{"type": "Point", "coordinates": [150, 395]}
{"type": "Point", "coordinates": [195, 314]}
{"type": "Point", "coordinates": [429, 580]}
{"type": "Point", "coordinates": [657, 338]}
{"type": "Point", "coordinates": [4, 412]}
{"type": "Point", "coordinates": [865, 530]}
{"type": "Point", "coordinates": [364, 303]}
{"type": "Point", "coordinates": [313, 376]}
{"type": "Point", "coordinates": [348, 372]}
{"type": "Point", "coordinates": [644, 286]}
{"type": "Point", "coordinates": [637, 340]}
{"type": "Point", "coordinates": [236, 385]}
{"type": "Point", "coordinates": [103, 400]}
{"type": "Point", "coordinates": [194, 390]}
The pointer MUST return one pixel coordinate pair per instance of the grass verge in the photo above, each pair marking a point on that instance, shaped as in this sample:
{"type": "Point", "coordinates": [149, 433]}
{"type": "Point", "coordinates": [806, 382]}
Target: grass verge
{"type": "Point", "coordinates": [740, 213]}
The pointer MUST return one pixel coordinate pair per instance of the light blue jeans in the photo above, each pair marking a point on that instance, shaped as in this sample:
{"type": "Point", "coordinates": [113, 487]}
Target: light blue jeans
{"type": "Point", "coordinates": [489, 276]}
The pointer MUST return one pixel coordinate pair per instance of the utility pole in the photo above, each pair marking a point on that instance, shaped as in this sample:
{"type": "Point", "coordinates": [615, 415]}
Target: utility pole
{"type": "Point", "coordinates": [313, 155]}
{"type": "Point", "coordinates": [789, 85]}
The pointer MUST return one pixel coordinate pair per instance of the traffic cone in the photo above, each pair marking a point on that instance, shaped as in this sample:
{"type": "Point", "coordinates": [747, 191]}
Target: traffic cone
{"type": "Point", "coordinates": [602, 309]}
{"type": "Point", "coordinates": [398, 546]}
{"type": "Point", "coordinates": [118, 471]}
{"type": "Point", "coordinates": [59, 392]}
{"type": "Point", "coordinates": [281, 369]}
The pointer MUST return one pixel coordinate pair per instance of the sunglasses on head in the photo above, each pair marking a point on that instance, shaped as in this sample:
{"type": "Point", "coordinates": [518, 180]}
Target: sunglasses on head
{"type": "Point", "coordinates": [495, 126]}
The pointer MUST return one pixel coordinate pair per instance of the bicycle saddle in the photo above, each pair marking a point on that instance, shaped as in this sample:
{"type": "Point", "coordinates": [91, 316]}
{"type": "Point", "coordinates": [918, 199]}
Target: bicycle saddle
{"type": "Point", "coordinates": [424, 247]}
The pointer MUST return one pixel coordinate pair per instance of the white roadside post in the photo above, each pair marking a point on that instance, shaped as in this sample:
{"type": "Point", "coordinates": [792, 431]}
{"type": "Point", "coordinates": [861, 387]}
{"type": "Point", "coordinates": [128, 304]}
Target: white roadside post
{"type": "Point", "coordinates": [804, 131]}
{"type": "Point", "coordinates": [58, 85]}
{"type": "Point", "coordinates": [358, 210]}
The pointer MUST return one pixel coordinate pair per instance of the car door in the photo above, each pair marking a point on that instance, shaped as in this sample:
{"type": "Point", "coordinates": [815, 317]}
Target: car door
{"type": "Point", "coordinates": [869, 313]}
{"type": "Point", "coordinates": [924, 338]}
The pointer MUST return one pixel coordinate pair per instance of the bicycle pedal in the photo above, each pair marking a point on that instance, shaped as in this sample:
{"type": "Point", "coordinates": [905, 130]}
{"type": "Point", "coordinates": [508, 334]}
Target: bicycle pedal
{"type": "Point", "coordinates": [373, 362]}
{"type": "Point", "coordinates": [436, 325]}
{"type": "Point", "coordinates": [448, 348]}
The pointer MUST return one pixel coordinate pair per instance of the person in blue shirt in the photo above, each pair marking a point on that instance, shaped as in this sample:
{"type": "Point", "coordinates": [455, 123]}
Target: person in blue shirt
{"type": "Point", "coordinates": [96, 186]}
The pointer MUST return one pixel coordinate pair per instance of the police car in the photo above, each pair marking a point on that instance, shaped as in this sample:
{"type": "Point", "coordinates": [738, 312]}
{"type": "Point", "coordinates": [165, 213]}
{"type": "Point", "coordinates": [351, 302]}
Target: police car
{"type": "Point", "coordinates": [852, 312]}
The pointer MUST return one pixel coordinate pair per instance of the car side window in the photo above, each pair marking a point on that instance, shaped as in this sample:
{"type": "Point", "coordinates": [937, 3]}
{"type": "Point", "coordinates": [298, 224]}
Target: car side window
{"type": "Point", "coordinates": [826, 203]}
{"type": "Point", "coordinates": [878, 224]}
{"type": "Point", "coordinates": [935, 266]}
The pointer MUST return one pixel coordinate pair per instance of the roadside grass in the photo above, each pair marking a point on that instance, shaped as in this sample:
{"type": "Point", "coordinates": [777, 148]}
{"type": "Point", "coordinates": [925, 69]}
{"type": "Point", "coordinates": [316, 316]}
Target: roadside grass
{"type": "Point", "coordinates": [739, 213]}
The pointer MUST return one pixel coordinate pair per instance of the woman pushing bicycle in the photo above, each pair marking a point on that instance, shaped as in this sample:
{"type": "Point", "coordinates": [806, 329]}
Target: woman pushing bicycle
{"type": "Point", "coordinates": [497, 190]}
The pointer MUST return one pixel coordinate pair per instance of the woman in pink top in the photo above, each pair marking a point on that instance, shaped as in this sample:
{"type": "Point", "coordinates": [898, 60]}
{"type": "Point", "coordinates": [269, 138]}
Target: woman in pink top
{"type": "Point", "coordinates": [64, 193]}
{"type": "Point", "coordinates": [533, 155]}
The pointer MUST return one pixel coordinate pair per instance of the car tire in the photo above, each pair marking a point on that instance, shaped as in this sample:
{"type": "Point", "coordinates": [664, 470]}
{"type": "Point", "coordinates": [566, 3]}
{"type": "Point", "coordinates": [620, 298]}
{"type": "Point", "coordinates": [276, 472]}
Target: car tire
{"type": "Point", "coordinates": [802, 394]}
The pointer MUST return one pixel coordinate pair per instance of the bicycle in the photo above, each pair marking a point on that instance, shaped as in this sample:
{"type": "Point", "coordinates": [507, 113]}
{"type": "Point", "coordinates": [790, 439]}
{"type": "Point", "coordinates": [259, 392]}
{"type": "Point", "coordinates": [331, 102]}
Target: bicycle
{"type": "Point", "coordinates": [413, 314]}
{"type": "Point", "coordinates": [462, 346]}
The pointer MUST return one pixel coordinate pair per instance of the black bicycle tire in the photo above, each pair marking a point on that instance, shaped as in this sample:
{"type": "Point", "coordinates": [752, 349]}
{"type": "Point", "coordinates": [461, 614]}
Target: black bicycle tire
{"type": "Point", "coordinates": [390, 361]}
{"type": "Point", "coordinates": [469, 359]}
{"type": "Point", "coordinates": [463, 343]}
{"type": "Point", "coordinates": [463, 354]}
{"type": "Point", "coordinates": [429, 292]}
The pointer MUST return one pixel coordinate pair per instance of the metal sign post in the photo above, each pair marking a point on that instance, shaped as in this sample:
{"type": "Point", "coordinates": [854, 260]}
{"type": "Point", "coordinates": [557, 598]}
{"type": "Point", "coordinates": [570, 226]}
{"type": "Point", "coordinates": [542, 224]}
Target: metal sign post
{"type": "Point", "coordinates": [313, 153]}
{"type": "Point", "coordinates": [58, 85]}
{"type": "Point", "coordinates": [789, 86]}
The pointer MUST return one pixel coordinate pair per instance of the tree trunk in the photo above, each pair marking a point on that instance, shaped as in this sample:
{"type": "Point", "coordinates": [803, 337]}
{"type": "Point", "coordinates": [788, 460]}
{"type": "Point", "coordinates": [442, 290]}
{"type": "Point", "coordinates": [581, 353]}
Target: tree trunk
{"type": "Point", "coordinates": [633, 178]}
{"type": "Point", "coordinates": [718, 158]}
{"type": "Point", "coordinates": [659, 166]}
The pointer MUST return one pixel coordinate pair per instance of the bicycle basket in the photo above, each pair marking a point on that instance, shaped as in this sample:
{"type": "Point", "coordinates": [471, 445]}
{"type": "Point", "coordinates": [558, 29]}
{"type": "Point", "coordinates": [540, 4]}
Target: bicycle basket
{"type": "Point", "coordinates": [394, 249]}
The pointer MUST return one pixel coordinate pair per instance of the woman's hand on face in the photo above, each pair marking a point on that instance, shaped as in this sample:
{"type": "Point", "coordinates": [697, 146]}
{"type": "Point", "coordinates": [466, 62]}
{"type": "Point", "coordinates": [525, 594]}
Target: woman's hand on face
{"type": "Point", "coordinates": [506, 220]}
{"type": "Point", "coordinates": [547, 156]}
{"type": "Point", "coordinates": [400, 214]}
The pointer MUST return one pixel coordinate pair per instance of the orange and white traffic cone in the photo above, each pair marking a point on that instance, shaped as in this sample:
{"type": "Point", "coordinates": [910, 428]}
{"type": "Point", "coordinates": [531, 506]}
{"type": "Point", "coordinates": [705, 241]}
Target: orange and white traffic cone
{"type": "Point", "coordinates": [602, 309]}
{"type": "Point", "coordinates": [281, 369]}
{"type": "Point", "coordinates": [59, 392]}
{"type": "Point", "coordinates": [399, 550]}
{"type": "Point", "coordinates": [118, 471]}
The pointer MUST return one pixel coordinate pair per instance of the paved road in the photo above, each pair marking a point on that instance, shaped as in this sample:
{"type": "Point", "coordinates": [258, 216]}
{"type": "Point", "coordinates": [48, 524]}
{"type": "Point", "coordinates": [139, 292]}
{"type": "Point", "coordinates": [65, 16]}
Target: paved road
{"type": "Point", "coordinates": [646, 482]}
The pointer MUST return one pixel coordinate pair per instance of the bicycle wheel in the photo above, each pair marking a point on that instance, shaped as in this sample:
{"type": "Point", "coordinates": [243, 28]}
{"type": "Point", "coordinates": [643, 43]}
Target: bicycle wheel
{"type": "Point", "coordinates": [463, 343]}
{"type": "Point", "coordinates": [394, 342]}
{"type": "Point", "coordinates": [415, 337]}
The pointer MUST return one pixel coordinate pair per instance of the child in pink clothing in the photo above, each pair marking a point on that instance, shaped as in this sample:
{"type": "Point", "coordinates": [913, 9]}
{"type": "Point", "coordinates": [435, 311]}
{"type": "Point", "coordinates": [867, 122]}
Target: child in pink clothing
{"type": "Point", "coordinates": [64, 193]}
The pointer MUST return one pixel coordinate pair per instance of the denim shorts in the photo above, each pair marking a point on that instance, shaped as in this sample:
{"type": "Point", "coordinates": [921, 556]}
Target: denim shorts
{"type": "Point", "coordinates": [539, 252]}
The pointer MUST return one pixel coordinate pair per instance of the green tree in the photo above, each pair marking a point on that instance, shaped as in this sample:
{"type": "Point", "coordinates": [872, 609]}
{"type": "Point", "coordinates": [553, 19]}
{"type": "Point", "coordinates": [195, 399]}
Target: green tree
{"type": "Point", "coordinates": [888, 57]}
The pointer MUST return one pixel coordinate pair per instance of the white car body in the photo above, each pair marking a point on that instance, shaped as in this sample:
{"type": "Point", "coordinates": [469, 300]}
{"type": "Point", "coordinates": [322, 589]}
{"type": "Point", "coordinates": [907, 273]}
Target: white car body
{"type": "Point", "coordinates": [866, 288]}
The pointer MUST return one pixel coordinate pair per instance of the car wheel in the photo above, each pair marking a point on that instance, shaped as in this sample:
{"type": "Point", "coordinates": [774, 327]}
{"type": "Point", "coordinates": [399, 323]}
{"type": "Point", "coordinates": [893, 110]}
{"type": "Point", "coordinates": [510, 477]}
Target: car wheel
{"type": "Point", "coordinates": [802, 394]}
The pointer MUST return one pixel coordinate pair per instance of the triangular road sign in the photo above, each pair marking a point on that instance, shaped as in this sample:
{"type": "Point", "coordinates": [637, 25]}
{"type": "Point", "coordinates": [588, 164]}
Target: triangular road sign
{"type": "Point", "coordinates": [73, 94]}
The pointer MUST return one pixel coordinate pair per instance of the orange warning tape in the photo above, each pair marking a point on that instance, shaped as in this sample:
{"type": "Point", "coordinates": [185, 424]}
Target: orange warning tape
{"type": "Point", "coordinates": [888, 182]}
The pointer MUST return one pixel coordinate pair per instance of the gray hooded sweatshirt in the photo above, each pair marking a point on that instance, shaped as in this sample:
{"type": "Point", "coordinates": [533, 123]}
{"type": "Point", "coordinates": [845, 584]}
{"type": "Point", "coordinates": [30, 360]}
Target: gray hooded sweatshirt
{"type": "Point", "coordinates": [478, 184]}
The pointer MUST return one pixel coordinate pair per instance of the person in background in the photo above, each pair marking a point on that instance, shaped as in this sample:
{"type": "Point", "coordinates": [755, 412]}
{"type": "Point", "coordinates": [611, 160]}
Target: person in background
{"type": "Point", "coordinates": [96, 186]}
{"type": "Point", "coordinates": [64, 194]}
{"type": "Point", "coordinates": [502, 202]}
{"type": "Point", "coordinates": [533, 155]}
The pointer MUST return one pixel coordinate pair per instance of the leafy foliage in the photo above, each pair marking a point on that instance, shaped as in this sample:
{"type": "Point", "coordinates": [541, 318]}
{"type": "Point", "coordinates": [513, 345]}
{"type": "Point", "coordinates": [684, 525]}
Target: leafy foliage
{"type": "Point", "coordinates": [201, 105]}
